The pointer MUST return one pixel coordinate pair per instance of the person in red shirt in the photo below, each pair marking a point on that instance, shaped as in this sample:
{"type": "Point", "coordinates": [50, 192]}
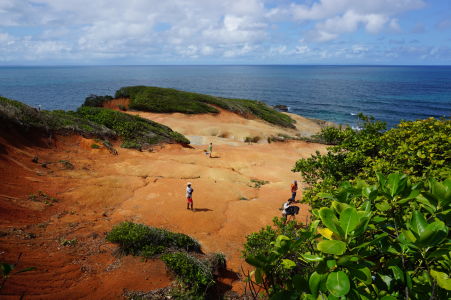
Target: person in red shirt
{"type": "Point", "coordinates": [294, 189]}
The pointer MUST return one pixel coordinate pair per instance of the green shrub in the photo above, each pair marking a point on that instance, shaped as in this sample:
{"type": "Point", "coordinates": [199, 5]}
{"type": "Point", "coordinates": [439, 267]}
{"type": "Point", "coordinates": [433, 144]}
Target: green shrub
{"type": "Point", "coordinates": [383, 241]}
{"type": "Point", "coordinates": [22, 116]}
{"type": "Point", "coordinates": [216, 262]}
{"type": "Point", "coordinates": [136, 238]}
{"type": "Point", "coordinates": [151, 250]}
{"type": "Point", "coordinates": [257, 183]}
{"type": "Point", "coordinates": [132, 128]}
{"type": "Point", "coordinates": [131, 145]}
{"type": "Point", "coordinates": [330, 136]}
{"type": "Point", "coordinates": [90, 122]}
{"type": "Point", "coordinates": [189, 271]}
{"type": "Point", "coordinates": [165, 100]}
{"type": "Point", "coordinates": [419, 148]}
{"type": "Point", "coordinates": [96, 101]}
{"type": "Point", "coordinates": [95, 146]}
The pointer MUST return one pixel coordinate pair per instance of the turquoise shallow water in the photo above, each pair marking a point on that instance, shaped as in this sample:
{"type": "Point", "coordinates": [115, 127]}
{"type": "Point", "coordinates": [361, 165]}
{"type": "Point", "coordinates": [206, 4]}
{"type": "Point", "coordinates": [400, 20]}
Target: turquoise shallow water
{"type": "Point", "coordinates": [333, 93]}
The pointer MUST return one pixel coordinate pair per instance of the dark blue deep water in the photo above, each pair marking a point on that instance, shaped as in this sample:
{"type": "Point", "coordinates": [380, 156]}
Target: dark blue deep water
{"type": "Point", "coordinates": [334, 93]}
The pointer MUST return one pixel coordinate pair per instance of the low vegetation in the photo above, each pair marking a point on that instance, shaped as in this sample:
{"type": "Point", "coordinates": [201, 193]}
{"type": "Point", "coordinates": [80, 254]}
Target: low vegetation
{"type": "Point", "coordinates": [417, 148]}
{"type": "Point", "coordinates": [194, 273]}
{"type": "Point", "coordinates": [96, 101]}
{"type": "Point", "coordinates": [133, 129]}
{"type": "Point", "coordinates": [163, 100]}
{"type": "Point", "coordinates": [138, 239]}
{"type": "Point", "coordinates": [381, 214]}
{"type": "Point", "coordinates": [90, 122]}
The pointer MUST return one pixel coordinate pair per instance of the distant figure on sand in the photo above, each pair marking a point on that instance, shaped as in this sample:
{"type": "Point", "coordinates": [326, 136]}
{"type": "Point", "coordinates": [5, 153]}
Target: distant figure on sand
{"type": "Point", "coordinates": [289, 209]}
{"type": "Point", "coordinates": [294, 189]}
{"type": "Point", "coordinates": [189, 196]}
{"type": "Point", "coordinates": [210, 149]}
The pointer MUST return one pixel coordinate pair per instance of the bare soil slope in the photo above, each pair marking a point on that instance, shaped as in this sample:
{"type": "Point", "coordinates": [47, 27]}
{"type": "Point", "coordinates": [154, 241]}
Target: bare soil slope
{"type": "Point", "coordinates": [96, 190]}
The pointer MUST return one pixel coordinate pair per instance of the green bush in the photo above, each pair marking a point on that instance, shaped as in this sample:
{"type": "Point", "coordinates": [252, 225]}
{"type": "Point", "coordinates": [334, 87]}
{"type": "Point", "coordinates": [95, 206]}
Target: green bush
{"type": "Point", "coordinates": [96, 101]}
{"type": "Point", "coordinates": [216, 262]}
{"type": "Point", "coordinates": [387, 240]}
{"type": "Point", "coordinates": [165, 100]}
{"type": "Point", "coordinates": [132, 128]}
{"type": "Point", "coordinates": [330, 136]}
{"type": "Point", "coordinates": [419, 148]}
{"type": "Point", "coordinates": [139, 239]}
{"type": "Point", "coordinates": [189, 271]}
{"type": "Point", "coordinates": [22, 116]}
{"type": "Point", "coordinates": [90, 122]}
{"type": "Point", "coordinates": [131, 145]}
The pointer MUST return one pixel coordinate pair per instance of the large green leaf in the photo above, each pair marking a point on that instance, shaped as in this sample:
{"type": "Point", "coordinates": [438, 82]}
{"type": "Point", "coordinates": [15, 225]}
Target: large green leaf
{"type": "Point", "coordinates": [433, 234]}
{"type": "Point", "coordinates": [363, 274]}
{"type": "Point", "coordinates": [314, 282]}
{"type": "Point", "coordinates": [396, 183]}
{"type": "Point", "coordinates": [329, 219]}
{"type": "Point", "coordinates": [443, 279]}
{"type": "Point", "coordinates": [418, 223]}
{"type": "Point", "coordinates": [338, 283]}
{"type": "Point", "coordinates": [349, 219]}
{"type": "Point", "coordinates": [375, 239]}
{"type": "Point", "coordinates": [311, 258]}
{"type": "Point", "coordinates": [288, 264]}
{"type": "Point", "coordinates": [441, 191]}
{"type": "Point", "coordinates": [398, 274]}
{"type": "Point", "coordinates": [332, 247]}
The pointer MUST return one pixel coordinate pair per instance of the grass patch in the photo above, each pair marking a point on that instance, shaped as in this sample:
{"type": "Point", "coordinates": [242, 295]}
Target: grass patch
{"type": "Point", "coordinates": [40, 196]}
{"type": "Point", "coordinates": [163, 100]}
{"type": "Point", "coordinates": [134, 130]}
{"type": "Point", "coordinates": [96, 101]}
{"type": "Point", "coordinates": [63, 122]}
{"type": "Point", "coordinates": [194, 274]}
{"type": "Point", "coordinates": [139, 239]}
{"type": "Point", "coordinates": [90, 122]}
{"type": "Point", "coordinates": [256, 183]}
{"type": "Point", "coordinates": [68, 243]}
{"type": "Point", "coordinates": [250, 140]}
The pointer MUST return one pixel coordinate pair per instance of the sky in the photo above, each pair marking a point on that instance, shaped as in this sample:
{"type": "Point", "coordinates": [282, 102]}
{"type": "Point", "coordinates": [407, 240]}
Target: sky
{"type": "Point", "coordinates": [151, 32]}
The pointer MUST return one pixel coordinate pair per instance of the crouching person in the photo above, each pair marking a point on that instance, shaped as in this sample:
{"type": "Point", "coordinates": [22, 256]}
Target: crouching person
{"type": "Point", "coordinates": [289, 210]}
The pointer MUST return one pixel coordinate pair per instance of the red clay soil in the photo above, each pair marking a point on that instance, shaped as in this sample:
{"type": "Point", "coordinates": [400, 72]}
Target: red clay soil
{"type": "Point", "coordinates": [117, 103]}
{"type": "Point", "coordinates": [65, 240]}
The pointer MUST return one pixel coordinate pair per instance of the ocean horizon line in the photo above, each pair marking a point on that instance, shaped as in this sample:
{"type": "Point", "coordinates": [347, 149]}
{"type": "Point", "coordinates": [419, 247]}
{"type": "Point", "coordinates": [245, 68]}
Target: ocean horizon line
{"type": "Point", "coordinates": [225, 65]}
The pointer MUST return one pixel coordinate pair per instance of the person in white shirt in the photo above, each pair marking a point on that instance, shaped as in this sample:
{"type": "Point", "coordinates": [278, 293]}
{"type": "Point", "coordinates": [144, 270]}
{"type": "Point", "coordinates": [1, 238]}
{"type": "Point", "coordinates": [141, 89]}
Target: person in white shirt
{"type": "Point", "coordinates": [189, 196]}
{"type": "Point", "coordinates": [285, 206]}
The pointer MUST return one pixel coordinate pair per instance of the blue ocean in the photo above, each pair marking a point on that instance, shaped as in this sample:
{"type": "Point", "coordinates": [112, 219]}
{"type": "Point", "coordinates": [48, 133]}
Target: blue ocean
{"type": "Point", "coordinates": [333, 93]}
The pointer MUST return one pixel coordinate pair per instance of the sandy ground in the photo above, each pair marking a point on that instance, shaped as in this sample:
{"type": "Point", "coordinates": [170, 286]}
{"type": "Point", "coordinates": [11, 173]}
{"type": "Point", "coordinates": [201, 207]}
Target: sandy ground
{"type": "Point", "coordinates": [146, 187]}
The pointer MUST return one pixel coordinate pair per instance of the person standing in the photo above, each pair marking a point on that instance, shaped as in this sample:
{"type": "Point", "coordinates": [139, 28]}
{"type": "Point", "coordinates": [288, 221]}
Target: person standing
{"type": "Point", "coordinates": [210, 149]}
{"type": "Point", "coordinates": [294, 189]}
{"type": "Point", "coordinates": [189, 196]}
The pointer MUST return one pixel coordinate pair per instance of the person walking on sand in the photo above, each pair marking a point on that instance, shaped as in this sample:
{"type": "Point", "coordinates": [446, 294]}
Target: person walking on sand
{"type": "Point", "coordinates": [189, 196]}
{"type": "Point", "coordinates": [294, 189]}
{"type": "Point", "coordinates": [210, 149]}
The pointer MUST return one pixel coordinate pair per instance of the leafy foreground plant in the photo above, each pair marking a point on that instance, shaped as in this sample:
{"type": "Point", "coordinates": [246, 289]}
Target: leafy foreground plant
{"type": "Point", "coordinates": [383, 241]}
{"type": "Point", "coordinates": [418, 148]}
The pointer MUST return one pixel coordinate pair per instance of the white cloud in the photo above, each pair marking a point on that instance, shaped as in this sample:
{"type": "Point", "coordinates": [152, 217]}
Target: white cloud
{"type": "Point", "coordinates": [335, 17]}
{"type": "Point", "coordinates": [151, 31]}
